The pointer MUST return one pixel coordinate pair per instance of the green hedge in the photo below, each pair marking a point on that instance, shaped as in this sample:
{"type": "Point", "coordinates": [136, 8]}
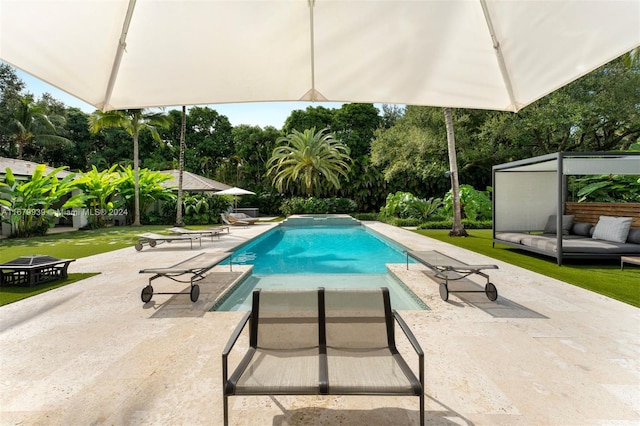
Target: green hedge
{"type": "Point", "coordinates": [448, 224]}
{"type": "Point", "coordinates": [313, 205]}
{"type": "Point", "coordinates": [366, 216]}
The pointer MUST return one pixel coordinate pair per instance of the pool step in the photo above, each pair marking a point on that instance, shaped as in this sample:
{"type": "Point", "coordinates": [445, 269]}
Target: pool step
{"type": "Point", "coordinates": [324, 220]}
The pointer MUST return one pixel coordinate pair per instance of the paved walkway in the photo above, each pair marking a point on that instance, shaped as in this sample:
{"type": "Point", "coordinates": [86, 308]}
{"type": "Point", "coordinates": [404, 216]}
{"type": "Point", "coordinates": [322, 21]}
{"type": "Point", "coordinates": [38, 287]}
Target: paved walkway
{"type": "Point", "coordinates": [90, 353]}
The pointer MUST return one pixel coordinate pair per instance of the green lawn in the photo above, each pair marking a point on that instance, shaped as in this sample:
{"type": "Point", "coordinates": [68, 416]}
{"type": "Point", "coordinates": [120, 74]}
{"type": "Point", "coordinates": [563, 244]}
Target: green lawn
{"type": "Point", "coordinates": [10, 294]}
{"type": "Point", "coordinates": [67, 245]}
{"type": "Point", "coordinates": [76, 244]}
{"type": "Point", "coordinates": [604, 277]}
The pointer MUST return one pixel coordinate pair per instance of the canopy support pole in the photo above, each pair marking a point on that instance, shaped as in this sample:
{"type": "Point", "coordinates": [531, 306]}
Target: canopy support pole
{"type": "Point", "coordinates": [311, 93]}
{"type": "Point", "coordinates": [122, 45]}
{"type": "Point", "coordinates": [498, 50]}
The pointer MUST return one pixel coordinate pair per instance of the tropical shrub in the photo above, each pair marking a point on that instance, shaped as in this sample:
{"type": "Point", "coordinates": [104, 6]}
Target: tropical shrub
{"type": "Point", "coordinates": [266, 202]}
{"type": "Point", "coordinates": [196, 209]}
{"type": "Point", "coordinates": [32, 206]}
{"type": "Point", "coordinates": [476, 205]}
{"type": "Point", "coordinates": [100, 190]}
{"type": "Point", "coordinates": [341, 205]}
{"type": "Point", "coordinates": [200, 209]}
{"type": "Point", "coordinates": [366, 216]}
{"type": "Point", "coordinates": [606, 188]}
{"type": "Point", "coordinates": [396, 221]}
{"type": "Point", "coordinates": [150, 189]}
{"type": "Point", "coordinates": [405, 205]}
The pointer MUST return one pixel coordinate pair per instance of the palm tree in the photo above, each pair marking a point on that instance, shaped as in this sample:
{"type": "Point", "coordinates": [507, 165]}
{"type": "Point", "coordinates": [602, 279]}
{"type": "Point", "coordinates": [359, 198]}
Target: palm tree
{"type": "Point", "coordinates": [310, 158]}
{"type": "Point", "coordinates": [183, 128]}
{"type": "Point", "coordinates": [458, 228]}
{"type": "Point", "coordinates": [29, 124]}
{"type": "Point", "coordinates": [132, 121]}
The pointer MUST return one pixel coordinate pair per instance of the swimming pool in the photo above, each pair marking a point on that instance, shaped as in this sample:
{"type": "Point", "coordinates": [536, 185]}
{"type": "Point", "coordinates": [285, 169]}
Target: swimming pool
{"type": "Point", "coordinates": [319, 255]}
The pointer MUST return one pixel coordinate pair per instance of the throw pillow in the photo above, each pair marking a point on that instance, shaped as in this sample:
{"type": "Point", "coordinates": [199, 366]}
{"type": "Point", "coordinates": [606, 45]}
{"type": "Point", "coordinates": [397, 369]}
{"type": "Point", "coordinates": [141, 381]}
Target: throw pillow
{"type": "Point", "coordinates": [582, 229]}
{"type": "Point", "coordinates": [634, 236]}
{"type": "Point", "coordinates": [614, 229]}
{"type": "Point", "coordinates": [567, 222]}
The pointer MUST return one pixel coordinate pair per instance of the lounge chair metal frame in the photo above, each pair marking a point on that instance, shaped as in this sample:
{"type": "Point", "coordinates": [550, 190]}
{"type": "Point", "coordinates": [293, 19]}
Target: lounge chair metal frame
{"type": "Point", "coordinates": [450, 269]}
{"type": "Point", "coordinates": [244, 218]}
{"type": "Point", "coordinates": [214, 232]}
{"type": "Point", "coordinates": [195, 268]}
{"type": "Point", "coordinates": [153, 239]}
{"type": "Point", "coordinates": [233, 222]}
{"type": "Point", "coordinates": [304, 342]}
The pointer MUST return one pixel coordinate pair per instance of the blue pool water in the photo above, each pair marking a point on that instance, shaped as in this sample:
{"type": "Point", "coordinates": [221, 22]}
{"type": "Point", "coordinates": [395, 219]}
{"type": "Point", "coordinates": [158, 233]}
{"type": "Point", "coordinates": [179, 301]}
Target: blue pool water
{"type": "Point", "coordinates": [319, 250]}
{"type": "Point", "coordinates": [313, 256]}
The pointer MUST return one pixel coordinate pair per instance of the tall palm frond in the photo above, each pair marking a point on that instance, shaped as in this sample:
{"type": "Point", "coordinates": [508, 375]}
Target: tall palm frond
{"type": "Point", "coordinates": [311, 159]}
{"type": "Point", "coordinates": [29, 124]}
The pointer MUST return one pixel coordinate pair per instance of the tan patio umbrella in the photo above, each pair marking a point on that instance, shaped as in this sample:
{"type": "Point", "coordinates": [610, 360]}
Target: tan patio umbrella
{"type": "Point", "coordinates": [235, 191]}
{"type": "Point", "coordinates": [490, 54]}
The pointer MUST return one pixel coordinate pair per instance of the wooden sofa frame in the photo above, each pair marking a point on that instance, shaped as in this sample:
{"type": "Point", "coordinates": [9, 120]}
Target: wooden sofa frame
{"type": "Point", "coordinates": [308, 341]}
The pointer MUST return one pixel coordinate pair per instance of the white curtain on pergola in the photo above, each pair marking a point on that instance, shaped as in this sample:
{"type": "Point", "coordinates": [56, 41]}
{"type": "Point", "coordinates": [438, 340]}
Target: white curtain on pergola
{"type": "Point", "coordinates": [526, 192]}
{"type": "Point", "coordinates": [489, 54]}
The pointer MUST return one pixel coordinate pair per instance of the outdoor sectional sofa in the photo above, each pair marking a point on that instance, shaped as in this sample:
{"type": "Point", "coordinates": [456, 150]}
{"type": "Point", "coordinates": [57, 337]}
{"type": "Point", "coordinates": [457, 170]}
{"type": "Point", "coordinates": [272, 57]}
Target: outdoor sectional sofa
{"type": "Point", "coordinates": [611, 237]}
{"type": "Point", "coordinates": [526, 193]}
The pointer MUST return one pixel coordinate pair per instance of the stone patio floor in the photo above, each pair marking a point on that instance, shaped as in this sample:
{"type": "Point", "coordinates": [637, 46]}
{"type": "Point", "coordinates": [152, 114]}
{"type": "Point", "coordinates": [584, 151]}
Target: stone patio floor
{"type": "Point", "coordinates": [91, 353]}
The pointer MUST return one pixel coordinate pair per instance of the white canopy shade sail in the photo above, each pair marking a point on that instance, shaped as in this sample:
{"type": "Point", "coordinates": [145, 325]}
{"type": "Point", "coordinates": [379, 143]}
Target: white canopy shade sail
{"type": "Point", "coordinates": [487, 54]}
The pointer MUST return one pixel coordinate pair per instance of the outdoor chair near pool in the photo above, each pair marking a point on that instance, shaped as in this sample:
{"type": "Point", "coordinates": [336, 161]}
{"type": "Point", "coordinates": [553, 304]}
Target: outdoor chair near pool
{"type": "Point", "coordinates": [323, 342]}
{"type": "Point", "coordinates": [232, 221]}
{"type": "Point", "coordinates": [244, 217]}
{"type": "Point", "coordinates": [202, 232]}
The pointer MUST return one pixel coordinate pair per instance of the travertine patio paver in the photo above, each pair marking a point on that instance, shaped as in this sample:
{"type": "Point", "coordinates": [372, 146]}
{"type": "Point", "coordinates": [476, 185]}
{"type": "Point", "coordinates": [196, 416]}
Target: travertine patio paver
{"type": "Point", "coordinates": [92, 353]}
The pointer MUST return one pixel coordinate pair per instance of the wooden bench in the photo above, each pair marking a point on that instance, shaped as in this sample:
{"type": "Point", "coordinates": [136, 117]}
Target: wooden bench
{"type": "Point", "coordinates": [322, 342]}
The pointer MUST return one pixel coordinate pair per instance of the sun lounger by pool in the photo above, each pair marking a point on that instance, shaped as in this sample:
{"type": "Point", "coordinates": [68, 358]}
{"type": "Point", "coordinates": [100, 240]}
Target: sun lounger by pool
{"type": "Point", "coordinates": [450, 269]}
{"type": "Point", "coordinates": [244, 217]}
{"type": "Point", "coordinates": [232, 221]}
{"type": "Point", "coordinates": [190, 271]}
{"type": "Point", "coordinates": [213, 232]}
{"type": "Point", "coordinates": [154, 239]}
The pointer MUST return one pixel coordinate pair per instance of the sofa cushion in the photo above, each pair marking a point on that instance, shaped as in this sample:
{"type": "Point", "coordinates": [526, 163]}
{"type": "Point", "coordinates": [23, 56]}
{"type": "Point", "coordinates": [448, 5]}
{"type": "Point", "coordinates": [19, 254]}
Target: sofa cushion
{"type": "Point", "coordinates": [567, 222]}
{"type": "Point", "coordinates": [634, 236]}
{"type": "Point", "coordinates": [512, 237]}
{"type": "Point", "coordinates": [614, 229]}
{"type": "Point", "coordinates": [582, 228]}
